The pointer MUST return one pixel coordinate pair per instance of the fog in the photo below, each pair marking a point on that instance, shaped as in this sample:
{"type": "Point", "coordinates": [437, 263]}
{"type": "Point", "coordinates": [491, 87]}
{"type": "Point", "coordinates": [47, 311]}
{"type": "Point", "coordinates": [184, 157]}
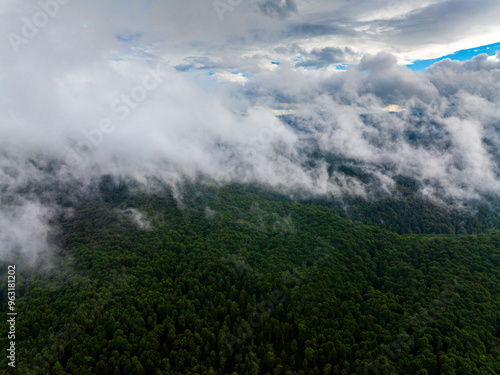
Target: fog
{"type": "Point", "coordinates": [162, 91]}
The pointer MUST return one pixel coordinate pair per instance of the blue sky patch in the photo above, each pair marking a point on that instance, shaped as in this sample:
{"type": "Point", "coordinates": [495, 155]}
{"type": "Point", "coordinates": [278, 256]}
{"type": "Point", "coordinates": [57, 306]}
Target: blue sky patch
{"type": "Point", "coordinates": [463, 55]}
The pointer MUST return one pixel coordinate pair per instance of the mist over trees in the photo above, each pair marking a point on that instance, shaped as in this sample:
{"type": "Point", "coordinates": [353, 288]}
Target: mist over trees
{"type": "Point", "coordinates": [236, 282]}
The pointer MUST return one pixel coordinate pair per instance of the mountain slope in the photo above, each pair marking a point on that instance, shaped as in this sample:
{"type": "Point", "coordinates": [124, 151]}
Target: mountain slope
{"type": "Point", "coordinates": [222, 280]}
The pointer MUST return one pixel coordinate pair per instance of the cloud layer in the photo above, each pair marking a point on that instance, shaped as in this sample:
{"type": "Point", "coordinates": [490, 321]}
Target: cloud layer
{"type": "Point", "coordinates": [159, 90]}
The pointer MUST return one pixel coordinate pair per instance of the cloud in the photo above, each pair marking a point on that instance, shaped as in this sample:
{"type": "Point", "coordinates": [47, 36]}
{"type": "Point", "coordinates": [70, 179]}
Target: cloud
{"type": "Point", "coordinates": [324, 57]}
{"type": "Point", "coordinates": [458, 23]}
{"type": "Point", "coordinates": [123, 89]}
{"type": "Point", "coordinates": [230, 77]}
{"type": "Point", "coordinates": [24, 232]}
{"type": "Point", "coordinates": [135, 216]}
{"type": "Point", "coordinates": [189, 125]}
{"type": "Point", "coordinates": [278, 8]}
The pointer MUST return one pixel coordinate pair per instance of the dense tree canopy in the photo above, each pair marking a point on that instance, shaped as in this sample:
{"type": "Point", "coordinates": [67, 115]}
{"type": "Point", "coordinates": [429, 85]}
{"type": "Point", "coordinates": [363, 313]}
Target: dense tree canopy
{"type": "Point", "coordinates": [229, 281]}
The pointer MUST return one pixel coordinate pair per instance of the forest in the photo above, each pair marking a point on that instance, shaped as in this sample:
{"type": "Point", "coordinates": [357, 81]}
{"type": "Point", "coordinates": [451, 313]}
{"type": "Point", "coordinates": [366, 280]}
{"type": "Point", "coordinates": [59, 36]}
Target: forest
{"type": "Point", "coordinates": [234, 280]}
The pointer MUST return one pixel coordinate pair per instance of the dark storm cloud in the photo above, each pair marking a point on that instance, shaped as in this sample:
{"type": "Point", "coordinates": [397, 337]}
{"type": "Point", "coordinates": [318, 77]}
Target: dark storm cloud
{"type": "Point", "coordinates": [326, 56]}
{"type": "Point", "coordinates": [310, 30]}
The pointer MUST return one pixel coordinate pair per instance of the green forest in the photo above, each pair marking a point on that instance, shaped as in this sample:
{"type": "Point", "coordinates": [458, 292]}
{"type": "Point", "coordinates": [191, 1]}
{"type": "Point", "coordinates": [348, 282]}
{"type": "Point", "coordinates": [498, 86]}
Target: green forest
{"type": "Point", "coordinates": [233, 280]}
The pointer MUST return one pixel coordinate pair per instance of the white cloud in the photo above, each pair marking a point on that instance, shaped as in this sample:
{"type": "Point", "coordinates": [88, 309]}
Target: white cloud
{"type": "Point", "coordinates": [230, 77]}
{"type": "Point", "coordinates": [76, 73]}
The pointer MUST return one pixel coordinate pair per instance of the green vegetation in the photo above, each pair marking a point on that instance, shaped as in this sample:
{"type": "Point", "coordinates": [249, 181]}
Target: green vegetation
{"type": "Point", "coordinates": [226, 281]}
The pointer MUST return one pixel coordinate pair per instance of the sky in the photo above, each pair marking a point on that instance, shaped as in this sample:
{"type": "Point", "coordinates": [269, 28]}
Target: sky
{"type": "Point", "coordinates": [182, 90]}
{"type": "Point", "coordinates": [462, 55]}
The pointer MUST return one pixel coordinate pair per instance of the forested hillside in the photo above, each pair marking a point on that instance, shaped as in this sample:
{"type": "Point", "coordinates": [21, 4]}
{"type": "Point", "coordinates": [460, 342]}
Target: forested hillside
{"type": "Point", "coordinates": [228, 281]}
